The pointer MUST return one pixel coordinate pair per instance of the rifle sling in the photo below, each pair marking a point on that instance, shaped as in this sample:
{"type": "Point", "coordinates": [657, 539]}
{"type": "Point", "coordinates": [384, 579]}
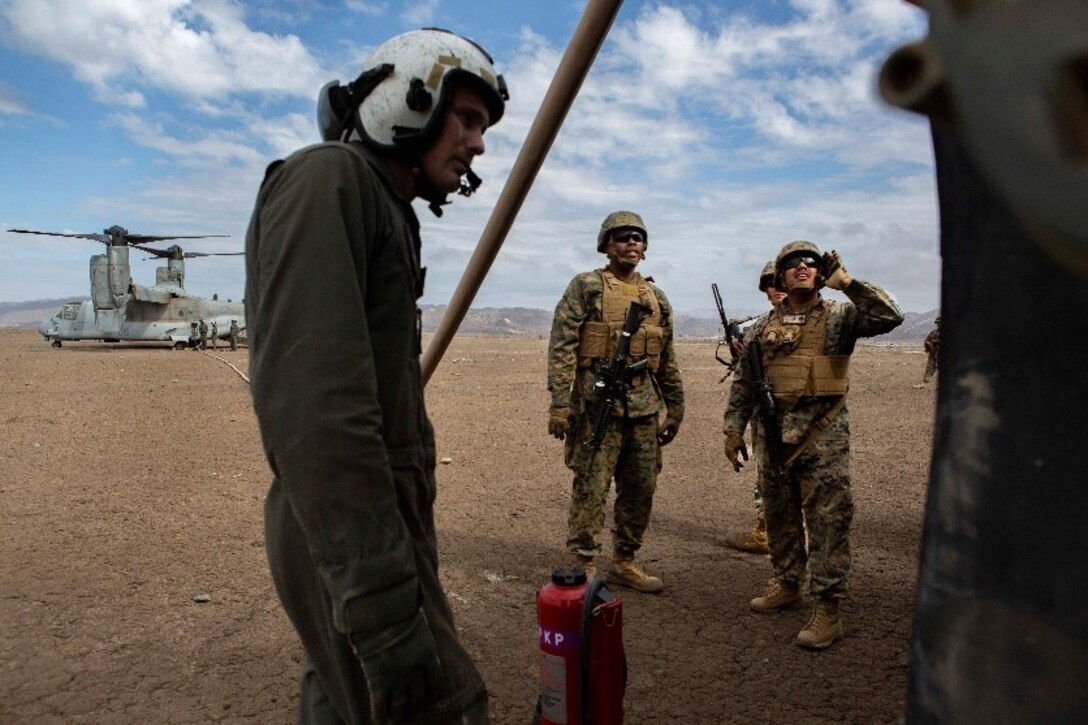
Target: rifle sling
{"type": "Point", "coordinates": [819, 427]}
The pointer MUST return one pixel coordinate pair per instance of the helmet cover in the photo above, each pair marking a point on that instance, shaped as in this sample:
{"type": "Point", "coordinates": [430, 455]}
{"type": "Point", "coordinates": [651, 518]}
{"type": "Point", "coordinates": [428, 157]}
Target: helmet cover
{"type": "Point", "coordinates": [620, 220]}
{"type": "Point", "coordinates": [766, 277]}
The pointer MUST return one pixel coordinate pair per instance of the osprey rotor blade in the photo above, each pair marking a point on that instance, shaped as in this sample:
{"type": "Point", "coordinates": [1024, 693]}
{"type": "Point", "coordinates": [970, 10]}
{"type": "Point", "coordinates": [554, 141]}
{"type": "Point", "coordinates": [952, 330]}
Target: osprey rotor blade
{"type": "Point", "coordinates": [96, 237]}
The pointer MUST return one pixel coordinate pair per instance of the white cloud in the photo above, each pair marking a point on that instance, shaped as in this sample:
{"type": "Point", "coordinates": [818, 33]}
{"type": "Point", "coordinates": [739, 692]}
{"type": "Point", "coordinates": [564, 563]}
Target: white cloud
{"type": "Point", "coordinates": [211, 149]}
{"type": "Point", "coordinates": [676, 116]}
{"type": "Point", "coordinates": [367, 8]}
{"type": "Point", "coordinates": [196, 49]}
{"type": "Point", "coordinates": [730, 135]}
{"type": "Point", "coordinates": [420, 12]}
{"type": "Point", "coordinates": [10, 104]}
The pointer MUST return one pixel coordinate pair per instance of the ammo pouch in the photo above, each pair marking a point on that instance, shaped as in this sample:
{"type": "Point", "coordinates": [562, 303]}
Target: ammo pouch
{"type": "Point", "coordinates": [798, 376]}
{"type": "Point", "coordinates": [598, 341]}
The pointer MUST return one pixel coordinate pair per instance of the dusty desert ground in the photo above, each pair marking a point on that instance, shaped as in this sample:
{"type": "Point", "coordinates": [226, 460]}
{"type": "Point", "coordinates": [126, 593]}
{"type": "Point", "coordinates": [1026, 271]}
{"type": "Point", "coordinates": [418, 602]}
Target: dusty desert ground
{"type": "Point", "coordinates": [132, 481]}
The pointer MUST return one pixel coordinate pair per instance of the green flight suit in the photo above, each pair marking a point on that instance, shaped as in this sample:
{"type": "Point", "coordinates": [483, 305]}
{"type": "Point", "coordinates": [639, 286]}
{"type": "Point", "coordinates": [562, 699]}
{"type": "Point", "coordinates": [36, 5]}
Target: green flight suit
{"type": "Point", "coordinates": [332, 279]}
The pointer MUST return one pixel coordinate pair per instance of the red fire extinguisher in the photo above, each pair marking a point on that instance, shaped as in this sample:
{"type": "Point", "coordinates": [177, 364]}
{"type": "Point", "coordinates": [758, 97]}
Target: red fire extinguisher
{"type": "Point", "coordinates": [583, 669]}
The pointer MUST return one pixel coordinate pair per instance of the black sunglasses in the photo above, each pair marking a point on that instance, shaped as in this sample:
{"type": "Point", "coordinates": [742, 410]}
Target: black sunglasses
{"type": "Point", "coordinates": [629, 235]}
{"type": "Point", "coordinates": [810, 262]}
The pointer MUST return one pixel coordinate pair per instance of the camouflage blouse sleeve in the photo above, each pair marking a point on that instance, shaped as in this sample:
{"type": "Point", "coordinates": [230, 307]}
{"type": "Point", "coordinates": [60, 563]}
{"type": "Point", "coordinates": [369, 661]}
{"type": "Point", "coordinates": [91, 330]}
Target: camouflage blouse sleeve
{"type": "Point", "coordinates": [667, 374]}
{"type": "Point", "coordinates": [870, 312]}
{"type": "Point", "coordinates": [570, 312]}
{"type": "Point", "coordinates": [875, 312]}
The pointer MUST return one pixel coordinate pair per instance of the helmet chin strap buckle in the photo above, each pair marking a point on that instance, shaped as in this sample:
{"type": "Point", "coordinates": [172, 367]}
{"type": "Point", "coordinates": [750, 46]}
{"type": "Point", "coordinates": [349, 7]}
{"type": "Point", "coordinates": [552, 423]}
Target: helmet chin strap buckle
{"type": "Point", "coordinates": [469, 184]}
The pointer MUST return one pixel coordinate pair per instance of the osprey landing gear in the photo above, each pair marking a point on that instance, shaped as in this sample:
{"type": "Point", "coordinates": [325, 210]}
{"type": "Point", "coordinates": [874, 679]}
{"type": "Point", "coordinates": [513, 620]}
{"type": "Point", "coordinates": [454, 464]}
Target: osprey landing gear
{"type": "Point", "coordinates": [56, 343]}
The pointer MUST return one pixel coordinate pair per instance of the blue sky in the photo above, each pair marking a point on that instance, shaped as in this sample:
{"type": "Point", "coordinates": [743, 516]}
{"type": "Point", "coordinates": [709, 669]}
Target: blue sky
{"type": "Point", "coordinates": [732, 127]}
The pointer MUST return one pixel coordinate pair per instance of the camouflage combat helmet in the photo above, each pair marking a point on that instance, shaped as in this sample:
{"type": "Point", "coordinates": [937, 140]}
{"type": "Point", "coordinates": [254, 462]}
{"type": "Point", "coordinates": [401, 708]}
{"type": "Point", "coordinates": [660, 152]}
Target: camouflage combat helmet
{"type": "Point", "coordinates": [797, 249]}
{"type": "Point", "coordinates": [766, 277]}
{"type": "Point", "coordinates": [620, 220]}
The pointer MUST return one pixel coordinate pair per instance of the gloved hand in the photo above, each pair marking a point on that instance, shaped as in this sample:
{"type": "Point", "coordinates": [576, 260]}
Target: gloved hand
{"type": "Point", "coordinates": [734, 449]}
{"type": "Point", "coordinates": [401, 667]}
{"type": "Point", "coordinates": [835, 274]}
{"type": "Point", "coordinates": [559, 421]}
{"type": "Point", "coordinates": [667, 431]}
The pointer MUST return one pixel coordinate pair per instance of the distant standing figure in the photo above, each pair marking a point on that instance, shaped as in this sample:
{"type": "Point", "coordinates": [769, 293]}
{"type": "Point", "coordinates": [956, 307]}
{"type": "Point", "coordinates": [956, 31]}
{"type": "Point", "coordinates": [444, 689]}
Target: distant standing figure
{"type": "Point", "coordinates": [194, 336]}
{"type": "Point", "coordinates": [755, 540]}
{"type": "Point", "coordinates": [234, 334]}
{"type": "Point", "coordinates": [203, 327]}
{"type": "Point", "coordinates": [215, 334]}
{"type": "Point", "coordinates": [585, 332]}
{"type": "Point", "coordinates": [932, 345]}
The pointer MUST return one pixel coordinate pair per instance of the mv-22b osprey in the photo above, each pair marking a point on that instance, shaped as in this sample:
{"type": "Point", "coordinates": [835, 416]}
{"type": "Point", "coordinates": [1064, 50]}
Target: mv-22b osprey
{"type": "Point", "coordinates": [121, 310]}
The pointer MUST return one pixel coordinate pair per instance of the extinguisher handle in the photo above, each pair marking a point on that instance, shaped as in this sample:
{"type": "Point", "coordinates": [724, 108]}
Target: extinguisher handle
{"type": "Point", "coordinates": [596, 591]}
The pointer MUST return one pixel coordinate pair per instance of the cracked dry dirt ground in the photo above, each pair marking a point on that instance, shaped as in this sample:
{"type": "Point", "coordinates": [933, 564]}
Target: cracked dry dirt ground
{"type": "Point", "coordinates": [132, 480]}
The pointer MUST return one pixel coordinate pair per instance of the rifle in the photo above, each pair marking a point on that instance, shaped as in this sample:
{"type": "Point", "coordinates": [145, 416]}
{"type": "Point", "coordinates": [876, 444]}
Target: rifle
{"type": "Point", "coordinates": [768, 410]}
{"type": "Point", "coordinates": [731, 331]}
{"type": "Point", "coordinates": [614, 378]}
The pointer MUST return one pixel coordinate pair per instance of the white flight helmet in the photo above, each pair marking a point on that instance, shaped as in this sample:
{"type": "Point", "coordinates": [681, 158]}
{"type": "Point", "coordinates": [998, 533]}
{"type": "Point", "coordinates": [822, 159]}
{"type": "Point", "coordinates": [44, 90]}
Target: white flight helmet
{"type": "Point", "coordinates": [404, 86]}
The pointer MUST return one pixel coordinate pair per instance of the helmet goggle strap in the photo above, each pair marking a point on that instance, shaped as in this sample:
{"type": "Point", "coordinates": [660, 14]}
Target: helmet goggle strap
{"type": "Point", "coordinates": [346, 100]}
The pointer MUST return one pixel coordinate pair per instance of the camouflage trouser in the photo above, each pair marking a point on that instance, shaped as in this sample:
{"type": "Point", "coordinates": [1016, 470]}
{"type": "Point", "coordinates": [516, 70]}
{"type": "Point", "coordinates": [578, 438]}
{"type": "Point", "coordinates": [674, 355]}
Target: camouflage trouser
{"type": "Point", "coordinates": [629, 453]}
{"type": "Point", "coordinates": [757, 454]}
{"type": "Point", "coordinates": [931, 366]}
{"type": "Point", "coordinates": [814, 495]}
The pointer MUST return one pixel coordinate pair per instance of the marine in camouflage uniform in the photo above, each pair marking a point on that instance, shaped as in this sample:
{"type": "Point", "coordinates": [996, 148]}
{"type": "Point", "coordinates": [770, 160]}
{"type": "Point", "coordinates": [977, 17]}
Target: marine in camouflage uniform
{"type": "Point", "coordinates": [807, 342]}
{"type": "Point", "coordinates": [932, 347]}
{"type": "Point", "coordinates": [754, 541]}
{"type": "Point", "coordinates": [585, 331]}
{"type": "Point", "coordinates": [203, 328]}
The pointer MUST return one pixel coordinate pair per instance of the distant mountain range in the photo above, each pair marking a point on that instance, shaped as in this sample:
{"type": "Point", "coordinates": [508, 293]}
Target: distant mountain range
{"type": "Point", "coordinates": [32, 312]}
{"type": "Point", "coordinates": [528, 322]}
{"type": "Point", "coordinates": [507, 321]}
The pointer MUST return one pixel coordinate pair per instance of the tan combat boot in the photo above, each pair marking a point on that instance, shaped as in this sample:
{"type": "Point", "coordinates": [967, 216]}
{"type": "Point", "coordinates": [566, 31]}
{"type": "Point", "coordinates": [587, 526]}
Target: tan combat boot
{"type": "Point", "coordinates": [777, 597]}
{"type": "Point", "coordinates": [587, 565]}
{"type": "Point", "coordinates": [823, 628]}
{"type": "Point", "coordinates": [752, 542]}
{"type": "Point", "coordinates": [627, 573]}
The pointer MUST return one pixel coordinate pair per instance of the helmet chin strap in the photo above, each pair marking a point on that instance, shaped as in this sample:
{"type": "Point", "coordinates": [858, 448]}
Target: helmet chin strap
{"type": "Point", "coordinates": [437, 198]}
{"type": "Point", "coordinates": [425, 188]}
